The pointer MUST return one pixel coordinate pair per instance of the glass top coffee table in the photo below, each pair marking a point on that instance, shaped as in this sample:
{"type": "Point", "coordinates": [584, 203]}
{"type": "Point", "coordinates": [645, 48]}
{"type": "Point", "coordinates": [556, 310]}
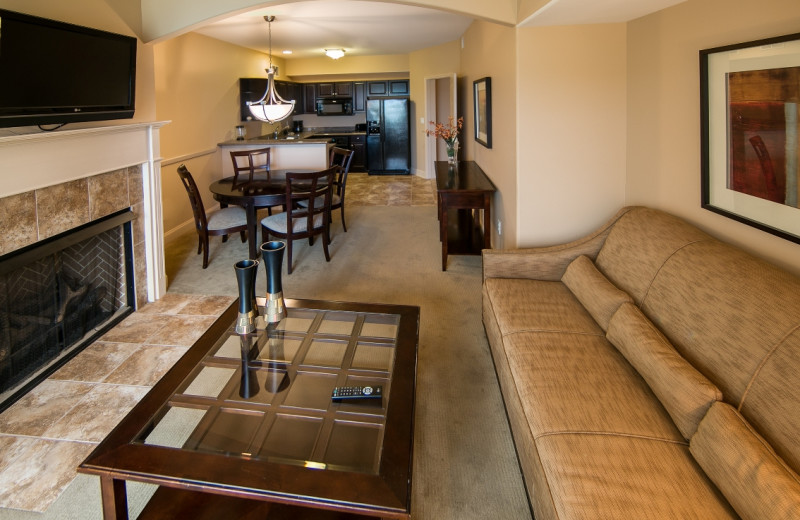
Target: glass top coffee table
{"type": "Point", "coordinates": [245, 426]}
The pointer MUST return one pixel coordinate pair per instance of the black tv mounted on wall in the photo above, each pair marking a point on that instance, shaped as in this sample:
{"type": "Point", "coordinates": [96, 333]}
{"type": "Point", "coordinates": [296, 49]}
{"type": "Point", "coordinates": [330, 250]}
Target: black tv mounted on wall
{"type": "Point", "coordinates": [55, 73]}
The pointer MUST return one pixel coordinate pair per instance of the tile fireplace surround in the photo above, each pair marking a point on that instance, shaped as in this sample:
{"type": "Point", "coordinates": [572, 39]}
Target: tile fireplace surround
{"type": "Point", "coordinates": [54, 182]}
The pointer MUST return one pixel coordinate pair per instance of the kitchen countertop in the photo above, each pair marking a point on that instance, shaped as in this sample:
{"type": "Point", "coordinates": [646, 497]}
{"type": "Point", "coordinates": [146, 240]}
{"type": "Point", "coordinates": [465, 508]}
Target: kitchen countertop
{"type": "Point", "coordinates": [308, 137]}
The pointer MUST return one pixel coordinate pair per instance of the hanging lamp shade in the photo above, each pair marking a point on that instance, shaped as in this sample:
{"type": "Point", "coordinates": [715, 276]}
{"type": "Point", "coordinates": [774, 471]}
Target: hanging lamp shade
{"type": "Point", "coordinates": [271, 107]}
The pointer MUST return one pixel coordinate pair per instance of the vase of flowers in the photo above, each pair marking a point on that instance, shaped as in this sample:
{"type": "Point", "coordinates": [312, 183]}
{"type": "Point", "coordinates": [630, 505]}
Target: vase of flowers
{"type": "Point", "coordinates": [449, 134]}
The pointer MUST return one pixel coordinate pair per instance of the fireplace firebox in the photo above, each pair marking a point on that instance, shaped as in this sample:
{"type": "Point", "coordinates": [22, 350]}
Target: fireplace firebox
{"type": "Point", "coordinates": [59, 295]}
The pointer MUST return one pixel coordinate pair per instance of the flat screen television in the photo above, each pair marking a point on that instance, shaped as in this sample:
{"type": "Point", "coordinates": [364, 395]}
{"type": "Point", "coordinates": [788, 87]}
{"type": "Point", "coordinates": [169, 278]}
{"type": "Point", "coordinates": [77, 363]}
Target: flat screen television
{"type": "Point", "coordinates": [55, 73]}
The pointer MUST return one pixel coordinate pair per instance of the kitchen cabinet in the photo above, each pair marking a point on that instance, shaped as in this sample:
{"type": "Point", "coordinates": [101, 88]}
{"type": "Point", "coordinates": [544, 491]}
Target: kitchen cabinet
{"type": "Point", "coordinates": [309, 98]}
{"type": "Point", "coordinates": [291, 91]}
{"type": "Point", "coordinates": [398, 87]}
{"type": "Point", "coordinates": [358, 143]}
{"type": "Point", "coordinates": [338, 89]}
{"type": "Point", "coordinates": [359, 96]}
{"type": "Point", "coordinates": [392, 87]}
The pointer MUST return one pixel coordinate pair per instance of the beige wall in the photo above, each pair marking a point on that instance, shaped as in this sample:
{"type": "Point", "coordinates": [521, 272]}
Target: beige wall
{"type": "Point", "coordinates": [434, 62]}
{"type": "Point", "coordinates": [325, 69]}
{"type": "Point", "coordinates": [197, 88]}
{"type": "Point", "coordinates": [570, 130]}
{"type": "Point", "coordinates": [491, 50]}
{"type": "Point", "coordinates": [664, 112]}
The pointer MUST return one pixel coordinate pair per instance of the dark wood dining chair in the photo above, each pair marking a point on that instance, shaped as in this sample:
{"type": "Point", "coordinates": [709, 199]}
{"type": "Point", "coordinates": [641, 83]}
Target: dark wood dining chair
{"type": "Point", "coordinates": [340, 158]}
{"type": "Point", "coordinates": [248, 162]}
{"type": "Point", "coordinates": [222, 222]}
{"type": "Point", "coordinates": [303, 221]}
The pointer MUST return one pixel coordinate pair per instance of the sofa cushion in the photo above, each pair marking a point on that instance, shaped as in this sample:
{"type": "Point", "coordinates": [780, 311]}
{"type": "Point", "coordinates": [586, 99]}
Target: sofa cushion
{"type": "Point", "coordinates": [724, 311]}
{"type": "Point", "coordinates": [744, 467]}
{"type": "Point", "coordinates": [772, 401]}
{"type": "Point", "coordinates": [621, 477]}
{"type": "Point", "coordinates": [684, 392]}
{"type": "Point", "coordinates": [535, 305]}
{"type": "Point", "coordinates": [639, 244]}
{"type": "Point", "coordinates": [581, 383]}
{"type": "Point", "coordinates": [600, 297]}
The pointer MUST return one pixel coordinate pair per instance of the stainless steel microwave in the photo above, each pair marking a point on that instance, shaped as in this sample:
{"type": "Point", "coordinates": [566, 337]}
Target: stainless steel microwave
{"type": "Point", "coordinates": [335, 107]}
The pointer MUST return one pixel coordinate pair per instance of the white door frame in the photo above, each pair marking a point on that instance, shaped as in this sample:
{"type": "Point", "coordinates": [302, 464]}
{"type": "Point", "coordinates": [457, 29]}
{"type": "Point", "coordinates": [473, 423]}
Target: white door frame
{"type": "Point", "coordinates": [430, 115]}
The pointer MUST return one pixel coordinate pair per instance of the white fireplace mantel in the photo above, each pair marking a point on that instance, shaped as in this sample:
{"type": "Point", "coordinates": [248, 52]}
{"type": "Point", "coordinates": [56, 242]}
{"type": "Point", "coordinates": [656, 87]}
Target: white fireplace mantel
{"type": "Point", "coordinates": [34, 161]}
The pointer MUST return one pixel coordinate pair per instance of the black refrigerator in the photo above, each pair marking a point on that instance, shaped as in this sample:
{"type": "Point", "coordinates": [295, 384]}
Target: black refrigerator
{"type": "Point", "coordinates": [388, 136]}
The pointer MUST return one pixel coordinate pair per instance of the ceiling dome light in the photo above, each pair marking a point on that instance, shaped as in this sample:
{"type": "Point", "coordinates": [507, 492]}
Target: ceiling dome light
{"type": "Point", "coordinates": [271, 107]}
{"type": "Point", "coordinates": [334, 53]}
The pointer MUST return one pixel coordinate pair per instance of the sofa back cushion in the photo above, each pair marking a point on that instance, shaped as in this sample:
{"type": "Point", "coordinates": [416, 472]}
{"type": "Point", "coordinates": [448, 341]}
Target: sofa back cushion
{"type": "Point", "coordinates": [755, 480]}
{"type": "Point", "coordinates": [639, 244]}
{"type": "Point", "coordinates": [682, 390]}
{"type": "Point", "coordinates": [598, 296]}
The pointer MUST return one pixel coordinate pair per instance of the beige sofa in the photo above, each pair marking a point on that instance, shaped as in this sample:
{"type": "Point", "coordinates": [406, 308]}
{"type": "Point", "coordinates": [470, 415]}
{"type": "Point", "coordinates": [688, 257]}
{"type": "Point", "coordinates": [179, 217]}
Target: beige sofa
{"type": "Point", "coordinates": [649, 371]}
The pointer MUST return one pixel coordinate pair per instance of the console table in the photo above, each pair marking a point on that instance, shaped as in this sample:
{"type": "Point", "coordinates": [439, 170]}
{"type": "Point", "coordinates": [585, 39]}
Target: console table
{"type": "Point", "coordinates": [462, 189]}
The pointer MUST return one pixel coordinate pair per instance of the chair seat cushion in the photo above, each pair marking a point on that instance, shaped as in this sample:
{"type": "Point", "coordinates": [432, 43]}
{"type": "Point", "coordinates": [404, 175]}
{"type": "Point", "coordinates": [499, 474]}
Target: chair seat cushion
{"type": "Point", "coordinates": [227, 218]}
{"type": "Point", "coordinates": [278, 223]}
{"type": "Point", "coordinates": [320, 201]}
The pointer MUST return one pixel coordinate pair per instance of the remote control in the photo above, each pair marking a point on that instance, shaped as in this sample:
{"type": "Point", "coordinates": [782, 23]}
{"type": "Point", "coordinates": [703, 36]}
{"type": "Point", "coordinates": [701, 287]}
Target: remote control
{"type": "Point", "coordinates": [346, 393]}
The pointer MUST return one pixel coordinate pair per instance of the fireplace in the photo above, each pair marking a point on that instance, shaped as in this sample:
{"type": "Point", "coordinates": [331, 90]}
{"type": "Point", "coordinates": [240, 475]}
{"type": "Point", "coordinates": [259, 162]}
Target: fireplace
{"type": "Point", "coordinates": [60, 294]}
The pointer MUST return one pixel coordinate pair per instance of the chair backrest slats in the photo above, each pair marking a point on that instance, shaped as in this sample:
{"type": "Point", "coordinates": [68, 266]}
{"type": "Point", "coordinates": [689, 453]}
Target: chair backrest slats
{"type": "Point", "coordinates": [194, 197]}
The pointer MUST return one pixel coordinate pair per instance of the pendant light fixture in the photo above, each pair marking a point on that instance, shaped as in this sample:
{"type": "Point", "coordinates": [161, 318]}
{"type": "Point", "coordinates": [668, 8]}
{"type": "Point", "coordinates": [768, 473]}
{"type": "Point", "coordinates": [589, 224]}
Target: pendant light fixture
{"type": "Point", "coordinates": [271, 107]}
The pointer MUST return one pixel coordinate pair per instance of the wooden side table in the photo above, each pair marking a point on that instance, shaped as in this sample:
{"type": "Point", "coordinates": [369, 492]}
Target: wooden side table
{"type": "Point", "coordinates": [462, 189]}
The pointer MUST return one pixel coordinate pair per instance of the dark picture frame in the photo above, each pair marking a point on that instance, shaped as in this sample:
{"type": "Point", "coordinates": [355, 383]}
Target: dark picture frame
{"type": "Point", "coordinates": [750, 128]}
{"type": "Point", "coordinates": [482, 101]}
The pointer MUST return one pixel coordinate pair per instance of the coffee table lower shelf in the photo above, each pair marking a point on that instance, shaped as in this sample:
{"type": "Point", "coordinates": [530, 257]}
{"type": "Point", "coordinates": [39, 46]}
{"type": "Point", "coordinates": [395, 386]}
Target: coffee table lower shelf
{"type": "Point", "coordinates": [169, 503]}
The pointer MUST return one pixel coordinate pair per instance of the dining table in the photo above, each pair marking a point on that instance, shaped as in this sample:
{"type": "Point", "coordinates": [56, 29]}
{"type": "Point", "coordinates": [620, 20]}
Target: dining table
{"type": "Point", "coordinates": [264, 190]}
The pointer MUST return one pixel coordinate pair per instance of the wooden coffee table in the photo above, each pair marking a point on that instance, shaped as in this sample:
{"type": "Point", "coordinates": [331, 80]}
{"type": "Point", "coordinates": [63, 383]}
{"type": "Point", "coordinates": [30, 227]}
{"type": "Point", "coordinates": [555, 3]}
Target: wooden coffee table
{"type": "Point", "coordinates": [244, 426]}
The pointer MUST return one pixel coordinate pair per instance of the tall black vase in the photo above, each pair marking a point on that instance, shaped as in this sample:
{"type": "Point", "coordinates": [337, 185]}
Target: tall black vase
{"type": "Point", "coordinates": [272, 253]}
{"type": "Point", "coordinates": [246, 271]}
{"type": "Point", "coordinates": [248, 386]}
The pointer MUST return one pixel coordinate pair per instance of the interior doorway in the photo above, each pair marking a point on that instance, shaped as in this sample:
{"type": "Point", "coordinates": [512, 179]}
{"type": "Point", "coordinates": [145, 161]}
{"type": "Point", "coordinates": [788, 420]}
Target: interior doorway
{"type": "Point", "coordinates": [441, 102]}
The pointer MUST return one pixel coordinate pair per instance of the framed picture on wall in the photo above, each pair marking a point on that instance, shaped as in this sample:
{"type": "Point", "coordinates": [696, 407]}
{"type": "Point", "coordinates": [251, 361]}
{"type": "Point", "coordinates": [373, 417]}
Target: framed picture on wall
{"type": "Point", "coordinates": [482, 99]}
{"type": "Point", "coordinates": [750, 117]}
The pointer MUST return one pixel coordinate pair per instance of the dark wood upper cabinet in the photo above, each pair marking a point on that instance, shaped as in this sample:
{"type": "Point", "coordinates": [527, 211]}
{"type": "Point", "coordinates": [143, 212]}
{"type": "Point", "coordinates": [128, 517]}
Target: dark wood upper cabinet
{"type": "Point", "coordinates": [310, 98]}
{"type": "Point", "coordinates": [398, 87]}
{"type": "Point", "coordinates": [377, 88]}
{"type": "Point", "coordinates": [392, 87]}
{"type": "Point", "coordinates": [359, 96]}
{"type": "Point", "coordinates": [338, 89]}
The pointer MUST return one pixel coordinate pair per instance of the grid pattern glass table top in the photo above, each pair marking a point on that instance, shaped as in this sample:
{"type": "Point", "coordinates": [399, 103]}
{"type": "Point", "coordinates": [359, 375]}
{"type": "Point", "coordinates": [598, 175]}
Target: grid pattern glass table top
{"type": "Point", "coordinates": [267, 395]}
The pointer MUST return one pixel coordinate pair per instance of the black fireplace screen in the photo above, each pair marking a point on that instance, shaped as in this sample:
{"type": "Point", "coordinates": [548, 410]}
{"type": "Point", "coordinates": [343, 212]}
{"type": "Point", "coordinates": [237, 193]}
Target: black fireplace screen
{"type": "Point", "coordinates": [51, 304]}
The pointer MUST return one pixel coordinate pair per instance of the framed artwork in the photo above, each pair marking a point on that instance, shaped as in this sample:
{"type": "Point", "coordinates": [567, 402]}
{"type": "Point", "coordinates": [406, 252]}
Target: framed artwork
{"type": "Point", "coordinates": [750, 111]}
{"type": "Point", "coordinates": [482, 98]}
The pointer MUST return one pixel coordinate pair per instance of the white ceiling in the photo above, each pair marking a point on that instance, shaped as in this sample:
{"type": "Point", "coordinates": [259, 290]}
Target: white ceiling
{"type": "Point", "coordinates": [365, 28]}
{"type": "Point", "coordinates": [360, 28]}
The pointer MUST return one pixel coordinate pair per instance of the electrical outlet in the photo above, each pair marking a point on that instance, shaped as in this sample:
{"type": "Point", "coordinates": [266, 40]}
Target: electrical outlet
{"type": "Point", "coordinates": [499, 227]}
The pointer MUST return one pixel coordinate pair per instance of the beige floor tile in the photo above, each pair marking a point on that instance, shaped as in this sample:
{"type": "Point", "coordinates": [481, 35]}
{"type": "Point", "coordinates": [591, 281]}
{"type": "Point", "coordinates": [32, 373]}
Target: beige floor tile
{"type": "Point", "coordinates": [170, 303]}
{"type": "Point", "coordinates": [181, 330]}
{"type": "Point", "coordinates": [96, 362]}
{"type": "Point", "coordinates": [207, 305]}
{"type": "Point", "coordinates": [97, 413]}
{"type": "Point", "coordinates": [137, 328]}
{"type": "Point", "coordinates": [42, 407]}
{"type": "Point", "coordinates": [33, 481]}
{"type": "Point", "coordinates": [146, 366]}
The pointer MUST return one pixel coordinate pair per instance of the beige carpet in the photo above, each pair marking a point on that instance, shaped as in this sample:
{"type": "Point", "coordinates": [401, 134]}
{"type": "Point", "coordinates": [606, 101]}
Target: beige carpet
{"type": "Point", "coordinates": [465, 466]}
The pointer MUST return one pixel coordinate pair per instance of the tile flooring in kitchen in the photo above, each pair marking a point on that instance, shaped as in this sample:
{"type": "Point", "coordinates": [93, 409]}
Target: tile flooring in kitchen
{"type": "Point", "coordinates": [47, 433]}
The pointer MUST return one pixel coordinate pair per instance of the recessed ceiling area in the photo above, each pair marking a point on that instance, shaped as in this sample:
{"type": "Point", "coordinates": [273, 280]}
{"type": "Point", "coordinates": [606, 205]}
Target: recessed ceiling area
{"type": "Point", "coordinates": [360, 28]}
{"type": "Point", "coordinates": [365, 28]}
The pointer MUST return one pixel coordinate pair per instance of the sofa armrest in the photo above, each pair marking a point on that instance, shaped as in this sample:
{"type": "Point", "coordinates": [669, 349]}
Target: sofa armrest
{"type": "Point", "coordinates": [545, 263]}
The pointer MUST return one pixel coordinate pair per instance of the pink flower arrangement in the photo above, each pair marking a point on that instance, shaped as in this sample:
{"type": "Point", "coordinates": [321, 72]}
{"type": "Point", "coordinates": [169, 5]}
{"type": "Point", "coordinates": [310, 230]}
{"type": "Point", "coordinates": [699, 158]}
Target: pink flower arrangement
{"type": "Point", "coordinates": [449, 131]}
